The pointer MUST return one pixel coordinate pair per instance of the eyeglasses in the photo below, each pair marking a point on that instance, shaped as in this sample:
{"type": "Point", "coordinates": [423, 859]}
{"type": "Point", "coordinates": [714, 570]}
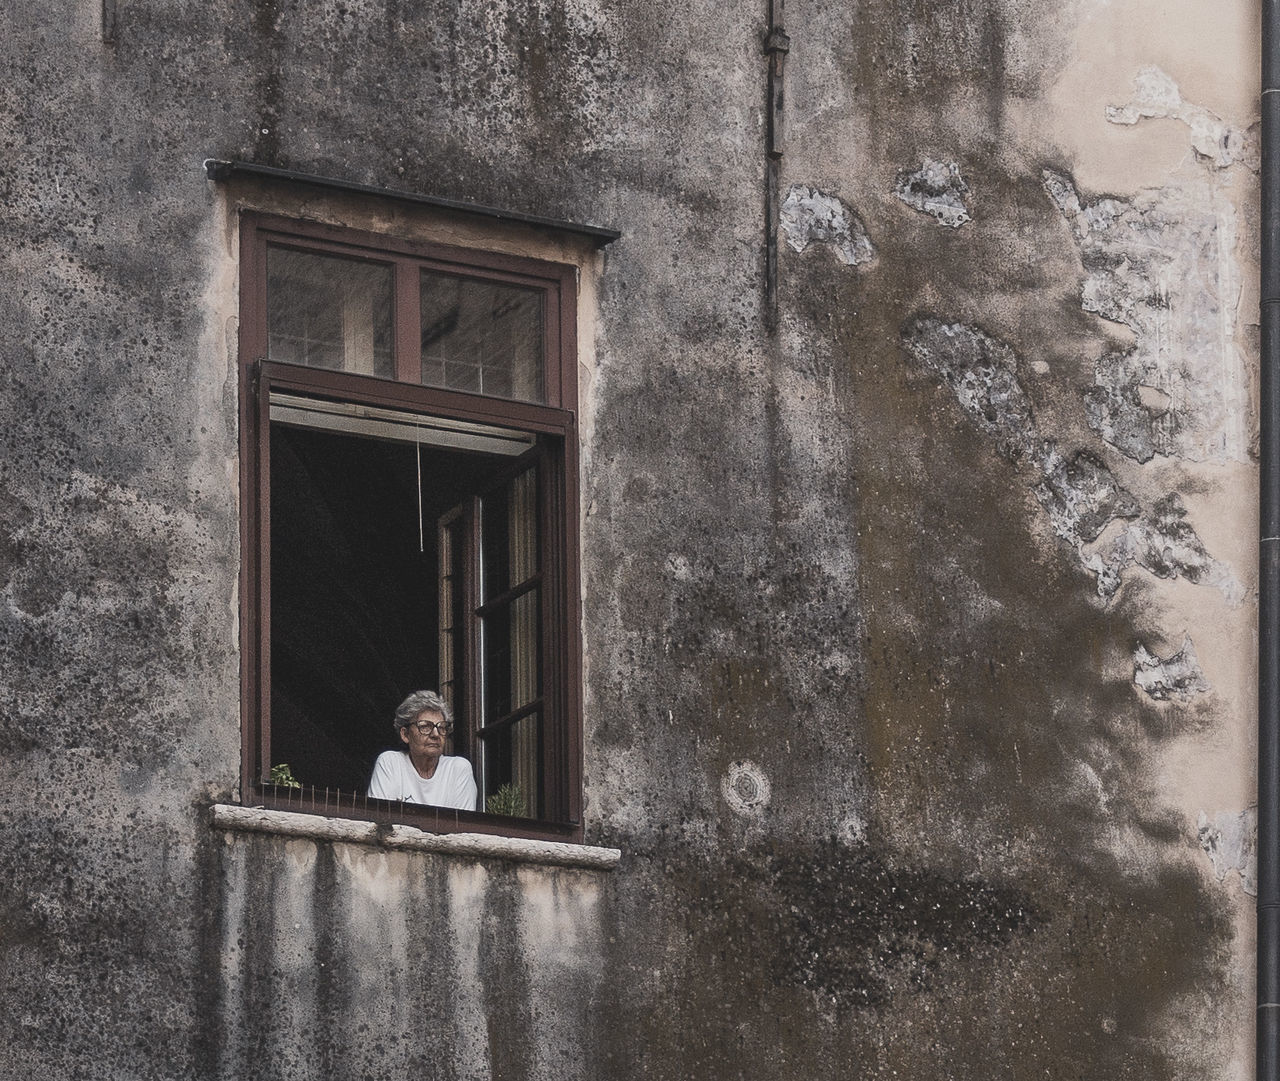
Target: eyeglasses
{"type": "Point", "coordinates": [426, 728]}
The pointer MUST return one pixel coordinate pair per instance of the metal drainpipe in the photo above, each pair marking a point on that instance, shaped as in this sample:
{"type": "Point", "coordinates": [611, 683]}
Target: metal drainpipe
{"type": "Point", "coordinates": [1268, 1018]}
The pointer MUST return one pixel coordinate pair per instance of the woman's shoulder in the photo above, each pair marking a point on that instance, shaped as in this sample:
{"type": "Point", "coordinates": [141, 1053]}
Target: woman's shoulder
{"type": "Point", "coordinates": [390, 758]}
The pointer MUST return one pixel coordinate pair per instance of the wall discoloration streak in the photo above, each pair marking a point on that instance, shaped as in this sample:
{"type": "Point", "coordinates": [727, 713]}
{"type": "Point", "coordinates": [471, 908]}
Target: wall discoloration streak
{"type": "Point", "coordinates": [891, 698]}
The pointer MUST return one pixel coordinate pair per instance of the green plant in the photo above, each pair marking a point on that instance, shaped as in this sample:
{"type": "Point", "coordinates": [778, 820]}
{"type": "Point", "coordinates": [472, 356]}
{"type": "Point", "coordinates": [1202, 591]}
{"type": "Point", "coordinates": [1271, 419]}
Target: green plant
{"type": "Point", "coordinates": [507, 800]}
{"type": "Point", "coordinates": [282, 776]}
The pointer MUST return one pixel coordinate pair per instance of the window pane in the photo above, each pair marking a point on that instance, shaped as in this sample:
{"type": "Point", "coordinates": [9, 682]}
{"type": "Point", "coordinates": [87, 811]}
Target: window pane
{"type": "Point", "coordinates": [495, 548]}
{"type": "Point", "coordinates": [525, 682]}
{"type": "Point", "coordinates": [450, 549]}
{"type": "Point", "coordinates": [482, 337]}
{"type": "Point", "coordinates": [325, 311]}
{"type": "Point", "coordinates": [512, 758]}
{"type": "Point", "coordinates": [509, 535]}
{"type": "Point", "coordinates": [367, 593]}
{"type": "Point", "coordinates": [511, 655]}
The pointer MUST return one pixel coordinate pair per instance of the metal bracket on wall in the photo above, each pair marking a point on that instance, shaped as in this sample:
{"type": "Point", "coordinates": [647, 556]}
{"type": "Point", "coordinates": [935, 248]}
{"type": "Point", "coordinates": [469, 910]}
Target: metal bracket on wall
{"type": "Point", "coordinates": [776, 47]}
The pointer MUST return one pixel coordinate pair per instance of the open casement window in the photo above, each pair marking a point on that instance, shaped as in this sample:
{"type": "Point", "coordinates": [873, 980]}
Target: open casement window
{"type": "Point", "coordinates": [491, 607]}
{"type": "Point", "coordinates": [410, 520]}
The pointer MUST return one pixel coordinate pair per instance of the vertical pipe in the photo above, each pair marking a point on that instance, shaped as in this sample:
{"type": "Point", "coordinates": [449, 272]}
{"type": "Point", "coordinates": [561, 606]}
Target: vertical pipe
{"type": "Point", "coordinates": [776, 45]}
{"type": "Point", "coordinates": [109, 16]}
{"type": "Point", "coordinates": [772, 178]}
{"type": "Point", "coordinates": [1268, 960]}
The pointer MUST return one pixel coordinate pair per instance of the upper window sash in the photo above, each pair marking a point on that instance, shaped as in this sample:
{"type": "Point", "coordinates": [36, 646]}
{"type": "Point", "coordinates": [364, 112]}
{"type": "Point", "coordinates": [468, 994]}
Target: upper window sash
{"type": "Point", "coordinates": [476, 277]}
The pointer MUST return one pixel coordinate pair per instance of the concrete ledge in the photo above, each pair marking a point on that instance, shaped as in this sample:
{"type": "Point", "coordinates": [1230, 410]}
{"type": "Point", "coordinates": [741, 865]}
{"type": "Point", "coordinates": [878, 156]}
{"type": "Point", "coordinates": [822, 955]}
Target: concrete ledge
{"type": "Point", "coordinates": [354, 831]}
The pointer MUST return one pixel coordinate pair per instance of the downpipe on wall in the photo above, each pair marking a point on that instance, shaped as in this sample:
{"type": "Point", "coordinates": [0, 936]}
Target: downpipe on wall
{"type": "Point", "coordinates": [1268, 961]}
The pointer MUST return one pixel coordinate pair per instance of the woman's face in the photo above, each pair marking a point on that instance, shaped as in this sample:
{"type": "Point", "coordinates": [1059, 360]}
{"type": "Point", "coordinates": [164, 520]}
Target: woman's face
{"type": "Point", "coordinates": [426, 735]}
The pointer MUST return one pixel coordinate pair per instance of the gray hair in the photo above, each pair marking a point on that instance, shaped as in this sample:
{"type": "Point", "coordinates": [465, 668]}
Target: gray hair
{"type": "Point", "coordinates": [408, 710]}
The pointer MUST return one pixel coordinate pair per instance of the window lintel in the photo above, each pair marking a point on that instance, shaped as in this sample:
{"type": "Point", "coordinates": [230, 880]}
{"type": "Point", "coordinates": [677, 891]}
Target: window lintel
{"type": "Point", "coordinates": [220, 171]}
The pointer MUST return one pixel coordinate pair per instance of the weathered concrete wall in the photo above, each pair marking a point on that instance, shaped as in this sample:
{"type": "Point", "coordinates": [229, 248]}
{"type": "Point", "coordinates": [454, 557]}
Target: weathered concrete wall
{"type": "Point", "coordinates": [919, 633]}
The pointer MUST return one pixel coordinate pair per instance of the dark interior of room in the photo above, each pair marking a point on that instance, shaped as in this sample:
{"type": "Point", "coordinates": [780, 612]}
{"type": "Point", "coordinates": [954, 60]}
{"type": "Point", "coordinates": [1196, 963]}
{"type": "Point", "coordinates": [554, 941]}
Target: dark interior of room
{"type": "Point", "coordinates": [353, 599]}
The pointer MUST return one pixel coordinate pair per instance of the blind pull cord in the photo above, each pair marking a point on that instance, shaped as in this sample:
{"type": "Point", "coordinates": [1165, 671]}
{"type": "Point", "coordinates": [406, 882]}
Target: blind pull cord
{"type": "Point", "coordinates": [417, 444]}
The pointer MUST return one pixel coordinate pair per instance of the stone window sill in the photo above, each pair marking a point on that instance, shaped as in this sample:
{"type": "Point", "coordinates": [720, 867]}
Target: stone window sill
{"type": "Point", "coordinates": [407, 838]}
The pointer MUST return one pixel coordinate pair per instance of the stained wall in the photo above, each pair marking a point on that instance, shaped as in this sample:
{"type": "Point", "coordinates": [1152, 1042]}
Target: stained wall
{"type": "Point", "coordinates": [919, 630]}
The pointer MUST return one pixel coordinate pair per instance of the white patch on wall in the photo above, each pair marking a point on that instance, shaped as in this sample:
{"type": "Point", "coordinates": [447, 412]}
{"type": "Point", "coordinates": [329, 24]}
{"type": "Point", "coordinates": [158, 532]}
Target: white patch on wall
{"type": "Point", "coordinates": [1231, 842]}
{"type": "Point", "coordinates": [562, 944]}
{"type": "Point", "coordinates": [854, 829]}
{"type": "Point", "coordinates": [1156, 96]}
{"type": "Point", "coordinates": [809, 216]}
{"type": "Point", "coordinates": [467, 885]}
{"type": "Point", "coordinates": [936, 189]}
{"type": "Point", "coordinates": [1178, 676]}
{"type": "Point", "coordinates": [1088, 781]}
{"type": "Point", "coordinates": [679, 567]}
{"type": "Point", "coordinates": [746, 789]}
{"type": "Point", "coordinates": [1162, 264]}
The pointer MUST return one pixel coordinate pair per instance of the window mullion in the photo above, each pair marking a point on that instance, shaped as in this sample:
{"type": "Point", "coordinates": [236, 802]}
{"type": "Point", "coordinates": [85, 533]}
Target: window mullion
{"type": "Point", "coordinates": [473, 662]}
{"type": "Point", "coordinates": [263, 568]}
{"type": "Point", "coordinates": [510, 596]}
{"type": "Point", "coordinates": [408, 332]}
{"type": "Point", "coordinates": [552, 647]}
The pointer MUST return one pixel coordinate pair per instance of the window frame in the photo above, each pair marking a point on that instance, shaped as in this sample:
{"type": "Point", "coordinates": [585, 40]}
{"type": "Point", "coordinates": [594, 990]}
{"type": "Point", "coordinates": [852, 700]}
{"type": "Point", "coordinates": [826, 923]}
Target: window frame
{"type": "Point", "coordinates": [555, 419]}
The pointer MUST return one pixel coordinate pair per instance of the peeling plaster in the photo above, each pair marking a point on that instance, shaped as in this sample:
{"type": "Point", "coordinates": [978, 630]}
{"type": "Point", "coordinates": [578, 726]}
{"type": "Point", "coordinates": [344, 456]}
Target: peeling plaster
{"type": "Point", "coordinates": [1160, 265]}
{"type": "Point", "coordinates": [936, 189]}
{"type": "Point", "coordinates": [810, 216]}
{"type": "Point", "coordinates": [1131, 416]}
{"type": "Point", "coordinates": [1231, 842]}
{"type": "Point", "coordinates": [982, 373]}
{"type": "Point", "coordinates": [1164, 543]}
{"type": "Point", "coordinates": [1178, 676]}
{"type": "Point", "coordinates": [1080, 494]}
{"type": "Point", "coordinates": [1156, 96]}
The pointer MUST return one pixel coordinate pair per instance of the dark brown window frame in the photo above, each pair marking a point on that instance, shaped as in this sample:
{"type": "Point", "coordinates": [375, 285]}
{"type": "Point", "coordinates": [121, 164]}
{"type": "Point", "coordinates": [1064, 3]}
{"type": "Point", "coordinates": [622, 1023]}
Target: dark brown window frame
{"type": "Point", "coordinates": [556, 419]}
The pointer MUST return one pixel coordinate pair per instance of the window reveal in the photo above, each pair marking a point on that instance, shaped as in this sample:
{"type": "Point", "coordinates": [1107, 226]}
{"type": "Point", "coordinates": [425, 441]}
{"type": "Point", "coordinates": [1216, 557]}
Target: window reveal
{"type": "Point", "coordinates": [410, 511]}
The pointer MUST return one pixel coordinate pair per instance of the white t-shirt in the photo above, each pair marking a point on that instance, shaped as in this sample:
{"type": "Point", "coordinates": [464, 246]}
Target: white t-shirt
{"type": "Point", "coordinates": [452, 784]}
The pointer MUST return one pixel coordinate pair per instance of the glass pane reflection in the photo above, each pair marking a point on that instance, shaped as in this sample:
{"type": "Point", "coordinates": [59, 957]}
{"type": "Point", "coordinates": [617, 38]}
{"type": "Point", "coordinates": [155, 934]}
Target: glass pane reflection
{"type": "Point", "coordinates": [482, 337]}
{"type": "Point", "coordinates": [513, 769]}
{"type": "Point", "coordinates": [325, 311]}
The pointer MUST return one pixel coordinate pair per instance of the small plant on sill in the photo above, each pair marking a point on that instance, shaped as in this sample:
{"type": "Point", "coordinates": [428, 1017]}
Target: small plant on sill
{"type": "Point", "coordinates": [282, 776]}
{"type": "Point", "coordinates": [507, 800]}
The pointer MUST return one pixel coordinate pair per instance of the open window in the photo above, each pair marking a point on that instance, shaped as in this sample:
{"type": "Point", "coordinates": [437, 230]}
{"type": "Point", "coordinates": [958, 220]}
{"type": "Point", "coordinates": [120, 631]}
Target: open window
{"type": "Point", "coordinates": [410, 519]}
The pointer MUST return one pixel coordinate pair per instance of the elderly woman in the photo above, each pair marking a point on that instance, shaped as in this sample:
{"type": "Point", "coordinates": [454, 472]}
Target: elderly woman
{"type": "Point", "coordinates": [423, 773]}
